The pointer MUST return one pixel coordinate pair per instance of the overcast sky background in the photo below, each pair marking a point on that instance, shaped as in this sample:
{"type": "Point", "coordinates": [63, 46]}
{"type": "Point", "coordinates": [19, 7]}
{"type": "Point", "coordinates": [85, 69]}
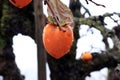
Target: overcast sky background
{"type": "Point", "coordinates": [24, 45]}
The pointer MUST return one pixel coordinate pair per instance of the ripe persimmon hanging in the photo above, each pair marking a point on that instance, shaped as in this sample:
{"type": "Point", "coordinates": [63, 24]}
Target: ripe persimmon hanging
{"type": "Point", "coordinates": [57, 42]}
{"type": "Point", "coordinates": [87, 57]}
{"type": "Point", "coordinates": [20, 3]}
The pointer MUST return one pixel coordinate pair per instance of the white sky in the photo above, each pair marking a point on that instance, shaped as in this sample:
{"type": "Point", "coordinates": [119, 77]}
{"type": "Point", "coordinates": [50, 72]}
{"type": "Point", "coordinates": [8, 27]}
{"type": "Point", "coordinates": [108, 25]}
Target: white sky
{"type": "Point", "coordinates": [25, 48]}
{"type": "Point", "coordinates": [26, 56]}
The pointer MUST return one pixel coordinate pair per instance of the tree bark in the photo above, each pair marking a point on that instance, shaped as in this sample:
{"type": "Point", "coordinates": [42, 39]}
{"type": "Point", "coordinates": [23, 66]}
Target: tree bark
{"type": "Point", "coordinates": [40, 23]}
{"type": "Point", "coordinates": [13, 21]}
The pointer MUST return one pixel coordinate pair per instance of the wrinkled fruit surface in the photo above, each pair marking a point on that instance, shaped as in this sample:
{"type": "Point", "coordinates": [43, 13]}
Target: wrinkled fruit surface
{"type": "Point", "coordinates": [20, 3]}
{"type": "Point", "coordinates": [56, 42]}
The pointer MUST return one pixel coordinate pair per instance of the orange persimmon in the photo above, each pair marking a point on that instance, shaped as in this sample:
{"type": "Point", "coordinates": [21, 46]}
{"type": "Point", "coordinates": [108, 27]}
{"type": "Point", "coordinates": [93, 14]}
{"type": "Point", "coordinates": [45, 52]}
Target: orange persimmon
{"type": "Point", "coordinates": [87, 57]}
{"type": "Point", "coordinates": [20, 3]}
{"type": "Point", "coordinates": [57, 42]}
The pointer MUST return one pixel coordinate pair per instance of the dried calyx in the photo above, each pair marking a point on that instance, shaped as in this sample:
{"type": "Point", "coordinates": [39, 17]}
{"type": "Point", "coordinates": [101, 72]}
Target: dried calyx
{"type": "Point", "coordinates": [54, 16]}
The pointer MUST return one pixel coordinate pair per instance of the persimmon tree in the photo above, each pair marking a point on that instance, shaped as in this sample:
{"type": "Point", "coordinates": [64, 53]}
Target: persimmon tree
{"type": "Point", "coordinates": [67, 67]}
{"type": "Point", "coordinates": [14, 20]}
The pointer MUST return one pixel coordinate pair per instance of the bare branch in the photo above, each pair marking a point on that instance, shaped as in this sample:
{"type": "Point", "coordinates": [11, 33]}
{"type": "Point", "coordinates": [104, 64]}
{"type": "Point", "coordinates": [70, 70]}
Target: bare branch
{"type": "Point", "coordinates": [94, 3]}
{"type": "Point", "coordinates": [87, 1]}
{"type": "Point", "coordinates": [116, 21]}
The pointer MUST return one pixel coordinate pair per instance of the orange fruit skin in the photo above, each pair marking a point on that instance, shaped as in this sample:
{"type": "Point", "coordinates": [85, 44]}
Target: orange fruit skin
{"type": "Point", "coordinates": [56, 42]}
{"type": "Point", "coordinates": [87, 57]}
{"type": "Point", "coordinates": [20, 3]}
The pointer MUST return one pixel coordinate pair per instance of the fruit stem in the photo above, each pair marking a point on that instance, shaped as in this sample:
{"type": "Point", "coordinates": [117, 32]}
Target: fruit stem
{"type": "Point", "coordinates": [54, 16]}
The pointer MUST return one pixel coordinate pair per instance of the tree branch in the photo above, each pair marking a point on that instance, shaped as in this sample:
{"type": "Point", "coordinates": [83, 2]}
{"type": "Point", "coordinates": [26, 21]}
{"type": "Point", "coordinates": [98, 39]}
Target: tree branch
{"type": "Point", "coordinates": [54, 15]}
{"type": "Point", "coordinates": [94, 3]}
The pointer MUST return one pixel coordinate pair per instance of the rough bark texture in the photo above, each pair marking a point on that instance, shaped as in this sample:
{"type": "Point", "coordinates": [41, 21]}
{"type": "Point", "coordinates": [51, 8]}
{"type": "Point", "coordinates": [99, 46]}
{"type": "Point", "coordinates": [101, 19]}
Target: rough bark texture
{"type": "Point", "coordinates": [13, 21]}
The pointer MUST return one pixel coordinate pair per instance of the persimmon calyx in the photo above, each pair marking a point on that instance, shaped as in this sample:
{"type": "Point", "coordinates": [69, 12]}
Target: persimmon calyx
{"type": "Point", "coordinates": [54, 16]}
{"type": "Point", "coordinates": [59, 24]}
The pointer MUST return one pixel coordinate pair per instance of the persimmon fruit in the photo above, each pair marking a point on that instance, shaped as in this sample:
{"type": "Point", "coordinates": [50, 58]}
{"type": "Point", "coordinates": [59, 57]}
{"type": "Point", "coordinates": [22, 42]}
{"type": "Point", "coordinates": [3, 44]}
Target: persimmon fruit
{"type": "Point", "coordinates": [87, 57]}
{"type": "Point", "coordinates": [20, 3]}
{"type": "Point", "coordinates": [57, 42]}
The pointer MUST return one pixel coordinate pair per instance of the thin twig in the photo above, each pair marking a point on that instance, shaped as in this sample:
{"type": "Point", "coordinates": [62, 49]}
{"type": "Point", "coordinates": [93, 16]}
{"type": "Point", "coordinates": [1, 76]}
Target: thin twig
{"type": "Point", "coordinates": [95, 3]}
{"type": "Point", "coordinates": [116, 21]}
{"type": "Point", "coordinates": [87, 1]}
{"type": "Point", "coordinates": [54, 16]}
